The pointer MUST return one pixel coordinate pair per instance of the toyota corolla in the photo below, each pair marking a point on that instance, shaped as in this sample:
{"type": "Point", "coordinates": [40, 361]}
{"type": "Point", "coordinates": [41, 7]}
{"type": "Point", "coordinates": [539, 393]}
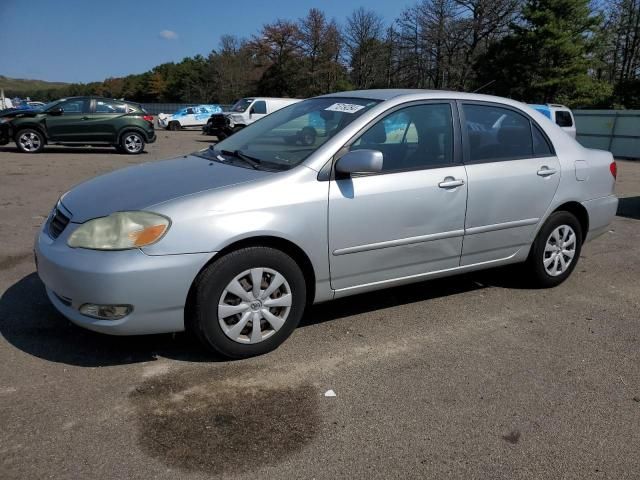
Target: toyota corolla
{"type": "Point", "coordinates": [398, 186]}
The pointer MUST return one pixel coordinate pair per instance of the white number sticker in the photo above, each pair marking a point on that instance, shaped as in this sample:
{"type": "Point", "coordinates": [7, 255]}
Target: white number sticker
{"type": "Point", "coordinates": [345, 107]}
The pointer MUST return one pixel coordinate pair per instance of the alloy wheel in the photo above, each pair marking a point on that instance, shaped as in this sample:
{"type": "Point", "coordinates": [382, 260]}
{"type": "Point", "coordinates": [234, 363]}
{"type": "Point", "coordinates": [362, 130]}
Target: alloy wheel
{"type": "Point", "coordinates": [30, 142]}
{"type": "Point", "coordinates": [254, 305]}
{"type": "Point", "coordinates": [133, 143]}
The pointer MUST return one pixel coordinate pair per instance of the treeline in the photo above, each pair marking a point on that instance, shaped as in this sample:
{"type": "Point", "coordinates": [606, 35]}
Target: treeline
{"type": "Point", "coordinates": [575, 52]}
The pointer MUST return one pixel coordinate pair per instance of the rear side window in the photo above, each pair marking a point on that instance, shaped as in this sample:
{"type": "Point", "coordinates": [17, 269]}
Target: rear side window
{"type": "Point", "coordinates": [563, 119]}
{"type": "Point", "coordinates": [259, 107]}
{"type": "Point", "coordinates": [496, 133]}
{"type": "Point", "coordinates": [105, 106]}
{"type": "Point", "coordinates": [541, 147]}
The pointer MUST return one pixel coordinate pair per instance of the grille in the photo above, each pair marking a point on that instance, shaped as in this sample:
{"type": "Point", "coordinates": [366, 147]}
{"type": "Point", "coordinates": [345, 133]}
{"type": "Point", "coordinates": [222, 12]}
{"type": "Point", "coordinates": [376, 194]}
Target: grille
{"type": "Point", "coordinates": [58, 223]}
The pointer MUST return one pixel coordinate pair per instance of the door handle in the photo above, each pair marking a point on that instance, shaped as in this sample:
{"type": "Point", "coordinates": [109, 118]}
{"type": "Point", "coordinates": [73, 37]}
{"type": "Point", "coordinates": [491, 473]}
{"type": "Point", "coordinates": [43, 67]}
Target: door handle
{"type": "Point", "coordinates": [450, 182]}
{"type": "Point", "coordinates": [546, 171]}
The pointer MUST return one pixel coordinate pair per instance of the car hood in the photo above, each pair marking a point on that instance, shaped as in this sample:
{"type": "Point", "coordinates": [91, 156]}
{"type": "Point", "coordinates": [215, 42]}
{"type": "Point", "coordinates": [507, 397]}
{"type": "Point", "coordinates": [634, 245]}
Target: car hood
{"type": "Point", "coordinates": [142, 186]}
{"type": "Point", "coordinates": [21, 112]}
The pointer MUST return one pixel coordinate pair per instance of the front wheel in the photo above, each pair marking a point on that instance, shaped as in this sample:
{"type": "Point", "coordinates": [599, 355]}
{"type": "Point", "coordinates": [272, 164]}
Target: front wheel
{"type": "Point", "coordinates": [248, 302]}
{"type": "Point", "coordinates": [174, 126]}
{"type": "Point", "coordinates": [30, 141]}
{"type": "Point", "coordinates": [131, 143]}
{"type": "Point", "coordinates": [556, 250]}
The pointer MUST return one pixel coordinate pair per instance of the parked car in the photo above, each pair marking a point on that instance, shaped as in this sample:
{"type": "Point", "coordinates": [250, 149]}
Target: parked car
{"type": "Point", "coordinates": [559, 114]}
{"type": "Point", "coordinates": [188, 117]}
{"type": "Point", "coordinates": [233, 242]}
{"type": "Point", "coordinates": [79, 121]}
{"type": "Point", "coordinates": [244, 112]}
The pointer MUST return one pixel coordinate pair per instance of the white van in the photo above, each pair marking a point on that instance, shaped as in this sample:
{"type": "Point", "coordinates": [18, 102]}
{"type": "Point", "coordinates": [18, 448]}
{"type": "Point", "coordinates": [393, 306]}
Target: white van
{"type": "Point", "coordinates": [247, 110]}
{"type": "Point", "coordinates": [561, 115]}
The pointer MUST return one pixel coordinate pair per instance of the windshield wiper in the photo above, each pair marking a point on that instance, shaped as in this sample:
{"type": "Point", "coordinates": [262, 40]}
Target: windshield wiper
{"type": "Point", "coordinates": [254, 162]}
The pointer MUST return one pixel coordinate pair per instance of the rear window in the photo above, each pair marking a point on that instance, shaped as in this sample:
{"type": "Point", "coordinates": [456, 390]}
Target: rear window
{"type": "Point", "coordinates": [563, 119]}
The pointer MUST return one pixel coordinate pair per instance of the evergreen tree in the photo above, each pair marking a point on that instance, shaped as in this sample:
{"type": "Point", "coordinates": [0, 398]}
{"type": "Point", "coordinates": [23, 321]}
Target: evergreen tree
{"type": "Point", "coordinates": [547, 56]}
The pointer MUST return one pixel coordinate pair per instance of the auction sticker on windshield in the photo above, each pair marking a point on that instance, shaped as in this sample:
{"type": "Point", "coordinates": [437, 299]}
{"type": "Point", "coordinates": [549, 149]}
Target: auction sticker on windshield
{"type": "Point", "coordinates": [344, 107]}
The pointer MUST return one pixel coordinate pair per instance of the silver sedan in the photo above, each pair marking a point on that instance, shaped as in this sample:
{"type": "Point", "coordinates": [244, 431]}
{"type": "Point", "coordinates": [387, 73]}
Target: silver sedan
{"type": "Point", "coordinates": [329, 197]}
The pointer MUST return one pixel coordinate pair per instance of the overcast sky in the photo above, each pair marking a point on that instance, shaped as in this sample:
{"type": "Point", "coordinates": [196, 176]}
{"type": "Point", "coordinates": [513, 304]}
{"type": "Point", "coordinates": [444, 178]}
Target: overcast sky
{"type": "Point", "coordinates": [89, 40]}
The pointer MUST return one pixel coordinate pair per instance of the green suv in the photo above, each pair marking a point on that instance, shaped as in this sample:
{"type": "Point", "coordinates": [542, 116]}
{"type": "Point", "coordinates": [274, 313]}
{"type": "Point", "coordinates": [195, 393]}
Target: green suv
{"type": "Point", "coordinates": [79, 121]}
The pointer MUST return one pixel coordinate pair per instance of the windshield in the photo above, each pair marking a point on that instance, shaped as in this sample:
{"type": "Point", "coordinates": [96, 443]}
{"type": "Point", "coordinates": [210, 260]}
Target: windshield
{"type": "Point", "coordinates": [288, 136]}
{"type": "Point", "coordinates": [241, 105]}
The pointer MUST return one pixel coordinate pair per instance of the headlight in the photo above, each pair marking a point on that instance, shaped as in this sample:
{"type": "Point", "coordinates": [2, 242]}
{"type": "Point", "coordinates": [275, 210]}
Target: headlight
{"type": "Point", "coordinates": [120, 231]}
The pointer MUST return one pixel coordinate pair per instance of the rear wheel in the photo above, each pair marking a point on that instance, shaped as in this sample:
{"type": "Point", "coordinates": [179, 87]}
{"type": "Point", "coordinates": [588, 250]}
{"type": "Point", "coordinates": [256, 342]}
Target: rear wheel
{"type": "Point", "coordinates": [248, 302]}
{"type": "Point", "coordinates": [556, 250]}
{"type": "Point", "coordinates": [30, 141]}
{"type": "Point", "coordinates": [131, 143]}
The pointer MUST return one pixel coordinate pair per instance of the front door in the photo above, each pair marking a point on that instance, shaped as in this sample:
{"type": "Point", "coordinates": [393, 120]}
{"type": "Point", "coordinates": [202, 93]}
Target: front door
{"type": "Point", "coordinates": [513, 176]}
{"type": "Point", "coordinates": [407, 220]}
{"type": "Point", "coordinates": [71, 125]}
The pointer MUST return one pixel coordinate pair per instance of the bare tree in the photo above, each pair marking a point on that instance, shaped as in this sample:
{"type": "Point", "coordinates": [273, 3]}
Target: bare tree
{"type": "Point", "coordinates": [363, 42]}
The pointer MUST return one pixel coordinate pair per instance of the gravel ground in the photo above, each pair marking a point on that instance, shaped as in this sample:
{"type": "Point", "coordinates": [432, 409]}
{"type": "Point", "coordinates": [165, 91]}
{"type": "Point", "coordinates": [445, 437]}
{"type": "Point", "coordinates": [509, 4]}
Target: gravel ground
{"type": "Point", "coordinates": [468, 377]}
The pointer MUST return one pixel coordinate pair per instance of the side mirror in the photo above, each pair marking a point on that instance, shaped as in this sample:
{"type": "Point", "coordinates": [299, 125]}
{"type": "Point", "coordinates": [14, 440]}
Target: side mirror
{"type": "Point", "coordinates": [360, 161]}
{"type": "Point", "coordinates": [56, 111]}
{"type": "Point", "coordinates": [252, 111]}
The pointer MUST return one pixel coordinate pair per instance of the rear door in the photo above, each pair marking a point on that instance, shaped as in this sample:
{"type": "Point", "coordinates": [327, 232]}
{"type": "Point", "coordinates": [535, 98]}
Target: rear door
{"type": "Point", "coordinates": [102, 124]}
{"type": "Point", "coordinates": [71, 126]}
{"type": "Point", "coordinates": [513, 175]}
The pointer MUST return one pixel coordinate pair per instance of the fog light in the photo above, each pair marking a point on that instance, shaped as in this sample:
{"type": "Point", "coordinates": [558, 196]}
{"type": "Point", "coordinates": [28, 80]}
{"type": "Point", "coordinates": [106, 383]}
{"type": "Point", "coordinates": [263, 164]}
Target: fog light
{"type": "Point", "coordinates": [106, 312]}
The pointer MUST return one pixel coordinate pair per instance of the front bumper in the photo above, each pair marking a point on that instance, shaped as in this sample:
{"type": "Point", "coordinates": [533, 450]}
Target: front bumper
{"type": "Point", "coordinates": [156, 286]}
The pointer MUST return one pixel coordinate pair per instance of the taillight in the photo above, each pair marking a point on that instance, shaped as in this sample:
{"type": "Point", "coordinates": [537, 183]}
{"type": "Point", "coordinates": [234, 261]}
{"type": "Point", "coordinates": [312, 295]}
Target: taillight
{"type": "Point", "coordinates": [613, 168]}
{"type": "Point", "coordinates": [148, 118]}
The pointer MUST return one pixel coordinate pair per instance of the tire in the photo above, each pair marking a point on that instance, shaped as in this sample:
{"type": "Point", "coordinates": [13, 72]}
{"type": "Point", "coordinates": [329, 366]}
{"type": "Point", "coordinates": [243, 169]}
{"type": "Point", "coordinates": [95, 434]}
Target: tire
{"type": "Point", "coordinates": [30, 140]}
{"type": "Point", "coordinates": [174, 126]}
{"type": "Point", "coordinates": [213, 289]}
{"type": "Point", "coordinates": [237, 128]}
{"type": "Point", "coordinates": [559, 239]}
{"type": "Point", "coordinates": [131, 143]}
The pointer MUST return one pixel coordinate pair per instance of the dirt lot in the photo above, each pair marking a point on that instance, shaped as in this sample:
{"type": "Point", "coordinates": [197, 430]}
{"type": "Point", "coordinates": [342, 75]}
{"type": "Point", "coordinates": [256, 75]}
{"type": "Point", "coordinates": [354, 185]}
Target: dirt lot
{"type": "Point", "coordinates": [470, 377]}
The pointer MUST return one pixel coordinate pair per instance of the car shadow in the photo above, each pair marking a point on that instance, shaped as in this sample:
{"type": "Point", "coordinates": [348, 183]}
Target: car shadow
{"type": "Point", "coordinates": [629, 207]}
{"type": "Point", "coordinates": [66, 150]}
{"type": "Point", "coordinates": [30, 323]}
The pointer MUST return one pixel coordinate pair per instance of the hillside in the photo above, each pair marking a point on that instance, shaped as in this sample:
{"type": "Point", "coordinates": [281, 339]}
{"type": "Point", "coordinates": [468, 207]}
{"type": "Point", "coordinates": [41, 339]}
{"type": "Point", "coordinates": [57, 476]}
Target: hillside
{"type": "Point", "coordinates": [16, 86]}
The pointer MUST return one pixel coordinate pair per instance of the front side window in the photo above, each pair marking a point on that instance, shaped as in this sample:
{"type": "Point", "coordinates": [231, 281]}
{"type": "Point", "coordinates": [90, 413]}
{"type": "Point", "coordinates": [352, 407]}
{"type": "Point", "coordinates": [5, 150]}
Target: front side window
{"type": "Point", "coordinates": [74, 105]}
{"type": "Point", "coordinates": [259, 107]}
{"type": "Point", "coordinates": [563, 119]}
{"type": "Point", "coordinates": [420, 136]}
{"type": "Point", "coordinates": [496, 133]}
{"type": "Point", "coordinates": [288, 136]}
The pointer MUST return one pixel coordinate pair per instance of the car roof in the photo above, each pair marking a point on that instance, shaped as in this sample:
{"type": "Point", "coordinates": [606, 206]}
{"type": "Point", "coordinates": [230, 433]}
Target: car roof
{"type": "Point", "coordinates": [385, 94]}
